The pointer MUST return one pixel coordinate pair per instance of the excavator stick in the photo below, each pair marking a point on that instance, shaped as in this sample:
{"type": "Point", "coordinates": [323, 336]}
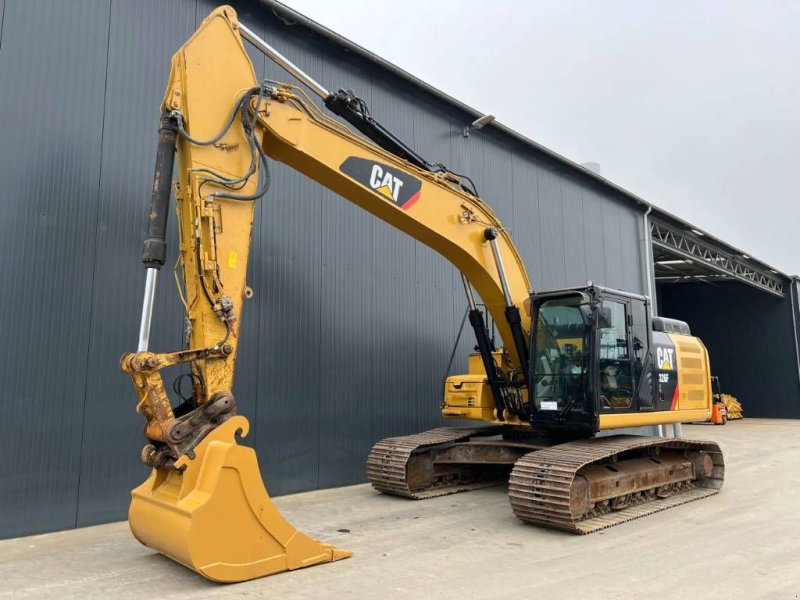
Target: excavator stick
{"type": "Point", "coordinates": [216, 517]}
{"type": "Point", "coordinates": [205, 504]}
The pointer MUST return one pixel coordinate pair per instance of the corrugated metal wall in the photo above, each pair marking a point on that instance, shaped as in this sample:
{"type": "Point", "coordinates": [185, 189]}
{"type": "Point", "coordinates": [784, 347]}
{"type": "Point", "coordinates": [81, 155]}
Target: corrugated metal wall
{"type": "Point", "coordinates": [348, 337]}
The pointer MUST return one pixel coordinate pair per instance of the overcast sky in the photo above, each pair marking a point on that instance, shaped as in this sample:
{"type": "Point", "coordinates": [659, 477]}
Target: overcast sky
{"type": "Point", "coordinates": [695, 106]}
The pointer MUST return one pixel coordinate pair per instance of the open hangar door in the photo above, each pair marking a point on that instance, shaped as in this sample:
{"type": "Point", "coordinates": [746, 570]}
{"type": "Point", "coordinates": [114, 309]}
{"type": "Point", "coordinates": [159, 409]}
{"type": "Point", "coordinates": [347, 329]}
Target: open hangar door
{"type": "Point", "coordinates": [744, 311]}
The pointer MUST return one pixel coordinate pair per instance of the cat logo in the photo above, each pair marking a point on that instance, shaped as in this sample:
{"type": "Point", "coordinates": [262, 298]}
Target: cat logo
{"type": "Point", "coordinates": [385, 183]}
{"type": "Point", "coordinates": [665, 358]}
{"type": "Point", "coordinates": [392, 184]}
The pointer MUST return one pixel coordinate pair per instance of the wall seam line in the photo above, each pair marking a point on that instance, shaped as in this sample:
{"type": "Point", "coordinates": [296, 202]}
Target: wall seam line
{"type": "Point", "coordinates": [2, 22]}
{"type": "Point", "coordinates": [94, 266]}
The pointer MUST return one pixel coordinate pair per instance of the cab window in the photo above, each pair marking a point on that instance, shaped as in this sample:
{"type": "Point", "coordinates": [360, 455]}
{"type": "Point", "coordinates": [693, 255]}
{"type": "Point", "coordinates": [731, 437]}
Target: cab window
{"type": "Point", "coordinates": [616, 381]}
{"type": "Point", "coordinates": [559, 359]}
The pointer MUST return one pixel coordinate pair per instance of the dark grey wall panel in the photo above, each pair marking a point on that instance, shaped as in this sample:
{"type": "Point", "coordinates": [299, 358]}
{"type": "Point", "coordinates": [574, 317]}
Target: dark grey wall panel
{"type": "Point", "coordinates": [592, 204]}
{"type": "Point", "coordinates": [551, 232]}
{"type": "Point", "coordinates": [126, 170]}
{"type": "Point", "coordinates": [51, 108]}
{"type": "Point", "coordinates": [347, 338]}
{"type": "Point", "coordinates": [750, 341]}
{"type": "Point", "coordinates": [573, 228]}
{"type": "Point", "coordinates": [491, 165]}
{"type": "Point", "coordinates": [612, 242]}
{"type": "Point", "coordinates": [526, 221]}
{"type": "Point", "coordinates": [632, 252]}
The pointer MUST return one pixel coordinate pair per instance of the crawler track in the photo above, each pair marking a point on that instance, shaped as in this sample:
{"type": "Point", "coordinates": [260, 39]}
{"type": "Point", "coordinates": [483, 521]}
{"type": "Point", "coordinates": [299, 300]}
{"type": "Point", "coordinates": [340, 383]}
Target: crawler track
{"type": "Point", "coordinates": [542, 483]}
{"type": "Point", "coordinates": [540, 486]}
{"type": "Point", "coordinates": [399, 465]}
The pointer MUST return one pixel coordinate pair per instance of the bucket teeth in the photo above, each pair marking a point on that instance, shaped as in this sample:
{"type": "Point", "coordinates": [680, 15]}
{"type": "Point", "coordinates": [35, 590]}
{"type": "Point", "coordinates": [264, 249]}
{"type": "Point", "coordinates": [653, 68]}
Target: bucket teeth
{"type": "Point", "coordinates": [216, 517]}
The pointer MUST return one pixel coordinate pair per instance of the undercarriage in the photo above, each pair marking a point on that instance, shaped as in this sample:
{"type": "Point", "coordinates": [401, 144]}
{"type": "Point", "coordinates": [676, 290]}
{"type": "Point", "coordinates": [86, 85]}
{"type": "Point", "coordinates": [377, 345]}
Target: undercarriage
{"type": "Point", "coordinates": [579, 486]}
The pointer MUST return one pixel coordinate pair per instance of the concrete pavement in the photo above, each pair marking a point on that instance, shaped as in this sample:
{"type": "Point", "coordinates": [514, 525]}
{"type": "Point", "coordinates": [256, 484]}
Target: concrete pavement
{"type": "Point", "coordinates": [742, 543]}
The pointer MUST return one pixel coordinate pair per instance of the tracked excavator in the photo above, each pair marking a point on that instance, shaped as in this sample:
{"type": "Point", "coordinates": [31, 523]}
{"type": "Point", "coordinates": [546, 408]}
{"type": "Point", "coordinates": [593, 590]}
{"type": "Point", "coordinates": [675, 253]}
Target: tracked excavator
{"type": "Point", "coordinates": [573, 363]}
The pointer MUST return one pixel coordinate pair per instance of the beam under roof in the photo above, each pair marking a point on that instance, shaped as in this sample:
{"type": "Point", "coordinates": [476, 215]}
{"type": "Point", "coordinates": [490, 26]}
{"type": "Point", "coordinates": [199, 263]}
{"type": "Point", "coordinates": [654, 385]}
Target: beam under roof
{"type": "Point", "coordinates": [712, 259]}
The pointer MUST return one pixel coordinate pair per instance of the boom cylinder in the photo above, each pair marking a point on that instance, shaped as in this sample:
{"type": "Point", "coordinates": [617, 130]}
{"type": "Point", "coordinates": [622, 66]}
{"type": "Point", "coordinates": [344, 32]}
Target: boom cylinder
{"type": "Point", "coordinates": [511, 311]}
{"type": "Point", "coordinates": [490, 233]}
{"type": "Point", "coordinates": [485, 348]}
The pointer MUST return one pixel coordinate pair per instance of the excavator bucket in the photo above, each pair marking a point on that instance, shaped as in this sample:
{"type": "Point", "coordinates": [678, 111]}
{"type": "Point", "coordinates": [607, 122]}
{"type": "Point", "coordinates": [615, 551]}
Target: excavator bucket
{"type": "Point", "coordinates": [215, 516]}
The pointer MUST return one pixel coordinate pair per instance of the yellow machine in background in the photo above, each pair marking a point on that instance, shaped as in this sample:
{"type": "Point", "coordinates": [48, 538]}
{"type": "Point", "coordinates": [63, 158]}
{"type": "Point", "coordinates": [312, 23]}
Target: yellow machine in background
{"type": "Point", "coordinates": [574, 361]}
{"type": "Point", "coordinates": [733, 407]}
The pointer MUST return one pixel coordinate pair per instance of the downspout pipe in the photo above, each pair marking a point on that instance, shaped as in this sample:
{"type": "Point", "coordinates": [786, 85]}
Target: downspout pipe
{"type": "Point", "coordinates": [649, 275]}
{"type": "Point", "coordinates": [677, 428]}
{"type": "Point", "coordinates": [648, 259]}
{"type": "Point", "coordinates": [793, 283]}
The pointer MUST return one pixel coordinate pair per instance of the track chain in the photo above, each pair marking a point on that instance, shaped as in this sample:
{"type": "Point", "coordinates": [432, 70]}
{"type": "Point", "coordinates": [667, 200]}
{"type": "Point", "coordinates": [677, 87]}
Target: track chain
{"type": "Point", "coordinates": [387, 461]}
{"type": "Point", "coordinates": [540, 483]}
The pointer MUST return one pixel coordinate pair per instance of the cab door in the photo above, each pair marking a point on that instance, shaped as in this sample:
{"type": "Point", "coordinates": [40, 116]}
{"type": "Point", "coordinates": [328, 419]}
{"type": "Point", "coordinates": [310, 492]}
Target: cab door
{"type": "Point", "coordinates": [625, 360]}
{"type": "Point", "coordinates": [644, 360]}
{"type": "Point", "coordinates": [616, 378]}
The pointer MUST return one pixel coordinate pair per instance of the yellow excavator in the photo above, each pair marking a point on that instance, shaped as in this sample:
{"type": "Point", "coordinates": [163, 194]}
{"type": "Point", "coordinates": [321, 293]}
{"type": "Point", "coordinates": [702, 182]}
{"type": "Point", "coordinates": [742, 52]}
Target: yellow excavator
{"type": "Point", "coordinates": [574, 362]}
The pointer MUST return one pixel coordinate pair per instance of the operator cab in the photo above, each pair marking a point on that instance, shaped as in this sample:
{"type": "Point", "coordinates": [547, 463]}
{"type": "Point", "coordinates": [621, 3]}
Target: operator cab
{"type": "Point", "coordinates": [590, 355]}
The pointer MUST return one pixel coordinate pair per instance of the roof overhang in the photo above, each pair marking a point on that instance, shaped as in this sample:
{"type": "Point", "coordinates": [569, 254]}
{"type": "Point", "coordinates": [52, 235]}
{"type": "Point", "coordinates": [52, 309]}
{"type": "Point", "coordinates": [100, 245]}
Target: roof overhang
{"type": "Point", "coordinates": [681, 255]}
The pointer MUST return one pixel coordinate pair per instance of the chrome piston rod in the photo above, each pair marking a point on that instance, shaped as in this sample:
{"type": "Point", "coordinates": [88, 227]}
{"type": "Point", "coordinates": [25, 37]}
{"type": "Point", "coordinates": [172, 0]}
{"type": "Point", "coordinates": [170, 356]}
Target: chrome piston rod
{"type": "Point", "coordinates": [283, 62]}
{"type": "Point", "coordinates": [501, 271]}
{"type": "Point", "coordinates": [468, 292]}
{"type": "Point", "coordinates": [512, 313]}
{"type": "Point", "coordinates": [147, 309]}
